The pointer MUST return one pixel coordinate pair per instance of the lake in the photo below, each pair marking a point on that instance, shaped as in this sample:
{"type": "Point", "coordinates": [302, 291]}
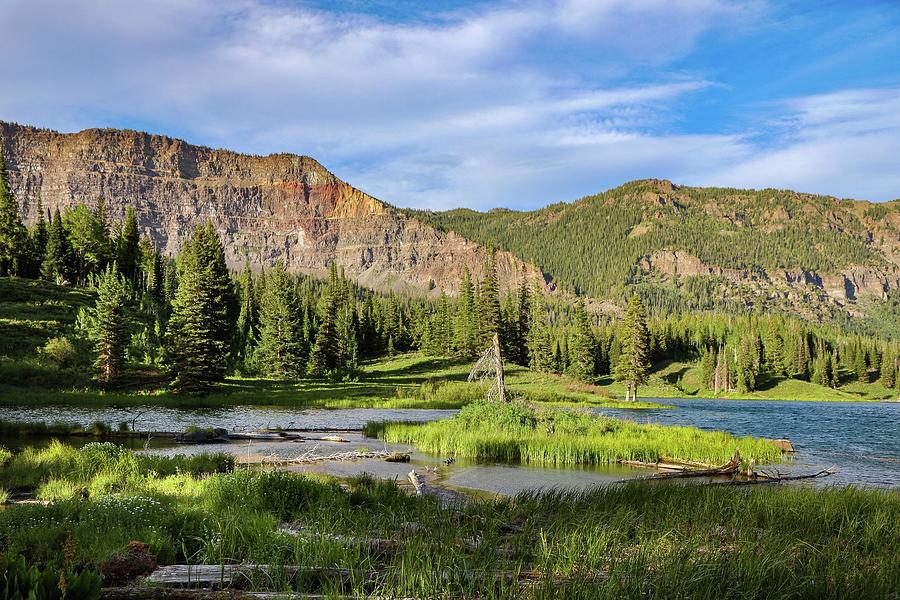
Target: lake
{"type": "Point", "coordinates": [862, 440]}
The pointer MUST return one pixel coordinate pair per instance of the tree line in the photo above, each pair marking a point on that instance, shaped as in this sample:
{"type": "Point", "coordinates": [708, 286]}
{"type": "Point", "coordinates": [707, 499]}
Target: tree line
{"type": "Point", "coordinates": [199, 321]}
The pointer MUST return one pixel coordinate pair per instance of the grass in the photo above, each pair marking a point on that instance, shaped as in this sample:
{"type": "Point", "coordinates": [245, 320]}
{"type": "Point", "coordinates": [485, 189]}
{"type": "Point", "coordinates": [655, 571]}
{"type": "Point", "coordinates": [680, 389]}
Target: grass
{"type": "Point", "coordinates": [678, 379]}
{"type": "Point", "coordinates": [630, 541]}
{"type": "Point", "coordinates": [405, 381]}
{"type": "Point", "coordinates": [517, 432]}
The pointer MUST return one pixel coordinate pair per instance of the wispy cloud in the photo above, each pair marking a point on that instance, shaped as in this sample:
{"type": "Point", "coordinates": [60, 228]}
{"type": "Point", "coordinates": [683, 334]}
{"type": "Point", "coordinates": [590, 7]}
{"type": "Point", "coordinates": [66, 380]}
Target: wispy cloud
{"type": "Point", "coordinates": [513, 104]}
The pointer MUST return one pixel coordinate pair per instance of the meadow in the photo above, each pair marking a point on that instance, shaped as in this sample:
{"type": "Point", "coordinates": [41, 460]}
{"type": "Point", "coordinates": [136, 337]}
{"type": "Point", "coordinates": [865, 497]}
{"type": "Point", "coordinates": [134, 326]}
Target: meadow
{"type": "Point", "coordinates": [369, 537]}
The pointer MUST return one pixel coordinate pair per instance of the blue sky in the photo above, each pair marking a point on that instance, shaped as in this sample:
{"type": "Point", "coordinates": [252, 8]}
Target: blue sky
{"type": "Point", "coordinates": [445, 103]}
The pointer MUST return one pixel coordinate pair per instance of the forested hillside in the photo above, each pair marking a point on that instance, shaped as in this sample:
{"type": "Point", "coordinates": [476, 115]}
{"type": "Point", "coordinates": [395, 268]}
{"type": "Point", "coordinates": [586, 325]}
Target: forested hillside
{"type": "Point", "coordinates": [688, 248]}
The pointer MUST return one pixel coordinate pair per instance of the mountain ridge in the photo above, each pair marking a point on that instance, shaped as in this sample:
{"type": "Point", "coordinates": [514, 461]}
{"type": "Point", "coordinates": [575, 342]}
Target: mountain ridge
{"type": "Point", "coordinates": [820, 256]}
{"type": "Point", "coordinates": [265, 208]}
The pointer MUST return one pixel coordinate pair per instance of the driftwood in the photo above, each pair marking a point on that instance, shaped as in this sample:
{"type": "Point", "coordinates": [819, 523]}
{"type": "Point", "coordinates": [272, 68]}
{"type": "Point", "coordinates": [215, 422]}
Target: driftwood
{"type": "Point", "coordinates": [763, 477]}
{"type": "Point", "coordinates": [417, 482]}
{"type": "Point", "coordinates": [159, 593]}
{"type": "Point", "coordinates": [308, 458]}
{"type": "Point", "coordinates": [223, 576]}
{"type": "Point", "coordinates": [334, 438]}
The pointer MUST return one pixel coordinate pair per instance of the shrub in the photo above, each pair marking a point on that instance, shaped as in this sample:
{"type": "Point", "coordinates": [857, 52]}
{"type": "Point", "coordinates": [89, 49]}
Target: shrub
{"type": "Point", "coordinates": [60, 351]}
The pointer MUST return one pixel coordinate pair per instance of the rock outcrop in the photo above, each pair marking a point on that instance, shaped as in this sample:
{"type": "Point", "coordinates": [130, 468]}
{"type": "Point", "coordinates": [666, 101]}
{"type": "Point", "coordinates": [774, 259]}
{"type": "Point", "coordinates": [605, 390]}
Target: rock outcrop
{"type": "Point", "coordinates": [265, 208]}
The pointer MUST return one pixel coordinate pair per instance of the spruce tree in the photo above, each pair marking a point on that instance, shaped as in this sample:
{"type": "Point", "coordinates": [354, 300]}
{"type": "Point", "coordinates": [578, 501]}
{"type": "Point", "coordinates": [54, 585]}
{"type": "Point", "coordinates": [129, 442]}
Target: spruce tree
{"type": "Point", "coordinates": [860, 366]}
{"type": "Point", "coordinates": [634, 360]}
{"type": "Point", "coordinates": [581, 346]}
{"type": "Point", "coordinates": [37, 244]}
{"type": "Point", "coordinates": [323, 357]}
{"type": "Point", "coordinates": [466, 324]}
{"type": "Point", "coordinates": [281, 350]}
{"type": "Point", "coordinates": [834, 372]}
{"type": "Point", "coordinates": [110, 324]}
{"type": "Point", "coordinates": [12, 231]}
{"type": "Point", "coordinates": [247, 331]}
{"type": "Point", "coordinates": [127, 246]}
{"type": "Point", "coordinates": [540, 355]}
{"type": "Point", "coordinates": [58, 262]}
{"type": "Point", "coordinates": [198, 328]}
{"type": "Point", "coordinates": [490, 317]}
{"type": "Point", "coordinates": [888, 369]}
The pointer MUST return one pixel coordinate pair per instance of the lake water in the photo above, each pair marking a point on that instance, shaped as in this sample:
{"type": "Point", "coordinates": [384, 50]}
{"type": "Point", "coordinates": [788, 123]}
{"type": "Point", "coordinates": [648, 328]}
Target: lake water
{"type": "Point", "coordinates": [862, 440]}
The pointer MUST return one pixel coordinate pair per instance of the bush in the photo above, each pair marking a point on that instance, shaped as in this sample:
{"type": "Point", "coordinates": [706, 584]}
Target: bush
{"type": "Point", "coordinates": [61, 352]}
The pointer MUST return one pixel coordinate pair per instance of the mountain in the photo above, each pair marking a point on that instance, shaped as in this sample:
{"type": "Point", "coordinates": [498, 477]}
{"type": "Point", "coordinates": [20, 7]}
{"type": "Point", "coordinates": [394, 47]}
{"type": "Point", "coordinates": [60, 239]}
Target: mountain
{"type": "Point", "coordinates": [265, 208]}
{"type": "Point", "coordinates": [700, 248]}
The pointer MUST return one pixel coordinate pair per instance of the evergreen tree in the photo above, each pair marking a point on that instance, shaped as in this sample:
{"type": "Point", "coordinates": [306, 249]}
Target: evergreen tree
{"type": "Point", "coordinates": [198, 329]}
{"type": "Point", "coordinates": [489, 315]}
{"type": "Point", "coordinates": [58, 259]}
{"type": "Point", "coordinates": [281, 350]}
{"type": "Point", "coordinates": [127, 246]}
{"type": "Point", "coordinates": [834, 371]}
{"type": "Point", "coordinates": [12, 231]}
{"type": "Point", "coordinates": [110, 325]}
{"type": "Point", "coordinates": [37, 243]}
{"type": "Point", "coordinates": [247, 332]}
{"type": "Point", "coordinates": [634, 362]}
{"type": "Point", "coordinates": [860, 366]}
{"type": "Point", "coordinates": [888, 369]}
{"type": "Point", "coordinates": [323, 357]}
{"type": "Point", "coordinates": [581, 346]}
{"type": "Point", "coordinates": [466, 323]}
{"type": "Point", "coordinates": [540, 355]}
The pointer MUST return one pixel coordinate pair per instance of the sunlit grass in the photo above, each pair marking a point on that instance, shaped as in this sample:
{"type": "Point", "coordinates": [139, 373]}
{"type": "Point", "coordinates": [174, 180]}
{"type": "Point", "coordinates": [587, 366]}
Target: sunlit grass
{"type": "Point", "coordinates": [516, 432]}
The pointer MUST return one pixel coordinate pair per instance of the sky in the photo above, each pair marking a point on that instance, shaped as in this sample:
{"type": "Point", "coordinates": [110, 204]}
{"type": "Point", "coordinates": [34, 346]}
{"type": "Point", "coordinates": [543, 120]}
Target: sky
{"type": "Point", "coordinates": [446, 103]}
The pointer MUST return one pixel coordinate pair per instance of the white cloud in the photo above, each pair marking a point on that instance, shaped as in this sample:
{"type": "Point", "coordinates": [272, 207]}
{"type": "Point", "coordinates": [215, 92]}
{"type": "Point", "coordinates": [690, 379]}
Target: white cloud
{"type": "Point", "coordinates": [512, 104]}
{"type": "Point", "coordinates": [843, 144]}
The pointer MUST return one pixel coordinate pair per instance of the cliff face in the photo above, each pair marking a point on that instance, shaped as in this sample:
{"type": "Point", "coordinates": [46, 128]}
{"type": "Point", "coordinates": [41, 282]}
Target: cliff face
{"type": "Point", "coordinates": [281, 206]}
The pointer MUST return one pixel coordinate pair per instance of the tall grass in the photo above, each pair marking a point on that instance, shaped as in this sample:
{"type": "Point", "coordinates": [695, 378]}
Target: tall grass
{"type": "Point", "coordinates": [639, 540]}
{"type": "Point", "coordinates": [517, 432]}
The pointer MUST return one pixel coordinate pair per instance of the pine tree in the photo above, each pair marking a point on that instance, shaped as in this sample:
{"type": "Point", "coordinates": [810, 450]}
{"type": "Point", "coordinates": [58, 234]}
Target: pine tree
{"type": "Point", "coordinates": [490, 317]}
{"type": "Point", "coordinates": [198, 329]}
{"type": "Point", "coordinates": [634, 362]}
{"type": "Point", "coordinates": [281, 351]}
{"type": "Point", "coordinates": [37, 243]}
{"type": "Point", "coordinates": [540, 355]}
{"type": "Point", "coordinates": [127, 246]}
{"type": "Point", "coordinates": [58, 259]}
{"type": "Point", "coordinates": [323, 357]}
{"type": "Point", "coordinates": [888, 369]}
{"type": "Point", "coordinates": [247, 332]}
{"type": "Point", "coordinates": [834, 371]}
{"type": "Point", "coordinates": [110, 325]}
{"type": "Point", "coordinates": [466, 324]}
{"type": "Point", "coordinates": [12, 230]}
{"type": "Point", "coordinates": [860, 366]}
{"type": "Point", "coordinates": [581, 345]}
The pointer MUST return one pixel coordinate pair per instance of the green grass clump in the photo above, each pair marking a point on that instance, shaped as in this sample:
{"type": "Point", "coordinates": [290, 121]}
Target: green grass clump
{"type": "Point", "coordinates": [517, 432]}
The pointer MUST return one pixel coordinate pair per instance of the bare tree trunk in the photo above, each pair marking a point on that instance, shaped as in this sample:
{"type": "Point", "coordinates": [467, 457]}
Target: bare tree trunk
{"type": "Point", "coordinates": [501, 385]}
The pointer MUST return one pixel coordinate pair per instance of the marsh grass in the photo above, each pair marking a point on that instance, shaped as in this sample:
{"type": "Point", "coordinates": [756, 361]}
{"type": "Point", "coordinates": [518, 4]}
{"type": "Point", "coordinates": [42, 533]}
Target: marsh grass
{"type": "Point", "coordinates": [637, 540]}
{"type": "Point", "coordinates": [519, 432]}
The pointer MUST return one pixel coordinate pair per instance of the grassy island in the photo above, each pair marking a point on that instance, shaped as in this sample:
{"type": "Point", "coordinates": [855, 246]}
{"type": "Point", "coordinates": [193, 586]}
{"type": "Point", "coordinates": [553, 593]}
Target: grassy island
{"type": "Point", "coordinates": [518, 432]}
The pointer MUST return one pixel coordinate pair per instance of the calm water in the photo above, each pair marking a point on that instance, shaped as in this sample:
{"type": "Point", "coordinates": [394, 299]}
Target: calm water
{"type": "Point", "coordinates": [861, 439]}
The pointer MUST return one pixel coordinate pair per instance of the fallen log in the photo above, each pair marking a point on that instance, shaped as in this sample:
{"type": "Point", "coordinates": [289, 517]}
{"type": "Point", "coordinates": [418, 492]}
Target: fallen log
{"type": "Point", "coordinates": [760, 477]}
{"type": "Point", "coordinates": [729, 468]}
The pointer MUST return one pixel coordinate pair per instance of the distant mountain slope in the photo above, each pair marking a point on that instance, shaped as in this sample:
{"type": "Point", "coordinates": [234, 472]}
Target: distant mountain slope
{"type": "Point", "coordinates": [704, 247]}
{"type": "Point", "coordinates": [265, 208]}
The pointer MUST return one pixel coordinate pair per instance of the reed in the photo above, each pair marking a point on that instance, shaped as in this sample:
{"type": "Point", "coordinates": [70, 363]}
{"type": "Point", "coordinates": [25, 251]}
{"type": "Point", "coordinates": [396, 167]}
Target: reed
{"type": "Point", "coordinates": [518, 432]}
{"type": "Point", "coordinates": [638, 540]}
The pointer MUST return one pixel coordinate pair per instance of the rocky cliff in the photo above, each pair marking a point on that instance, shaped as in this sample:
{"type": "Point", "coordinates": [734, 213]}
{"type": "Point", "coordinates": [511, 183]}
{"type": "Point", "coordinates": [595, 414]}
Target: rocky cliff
{"type": "Point", "coordinates": [265, 208]}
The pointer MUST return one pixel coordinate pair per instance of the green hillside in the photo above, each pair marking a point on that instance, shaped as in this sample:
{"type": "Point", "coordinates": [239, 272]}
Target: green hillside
{"type": "Point", "coordinates": [595, 245]}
